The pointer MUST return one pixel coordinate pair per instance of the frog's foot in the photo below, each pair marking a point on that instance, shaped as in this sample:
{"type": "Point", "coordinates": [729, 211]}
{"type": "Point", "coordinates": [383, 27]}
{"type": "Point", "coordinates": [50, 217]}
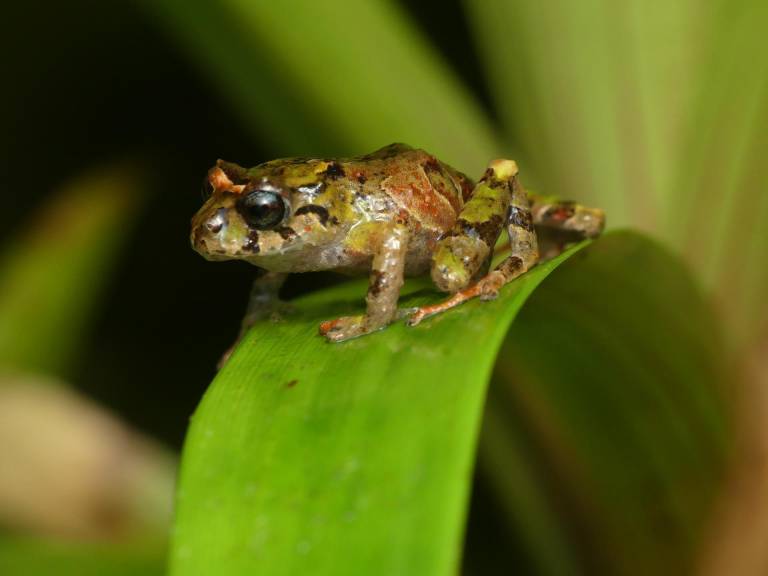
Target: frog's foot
{"type": "Point", "coordinates": [346, 328]}
{"type": "Point", "coordinates": [422, 312]}
{"type": "Point", "coordinates": [274, 311]}
{"type": "Point", "coordinates": [383, 290]}
{"type": "Point", "coordinates": [487, 288]}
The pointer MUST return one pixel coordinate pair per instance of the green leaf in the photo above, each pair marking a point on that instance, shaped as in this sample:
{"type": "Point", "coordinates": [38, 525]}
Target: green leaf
{"type": "Point", "coordinates": [31, 557]}
{"type": "Point", "coordinates": [607, 430]}
{"type": "Point", "coordinates": [718, 207]}
{"type": "Point", "coordinates": [306, 457]}
{"type": "Point", "coordinates": [332, 77]}
{"type": "Point", "coordinates": [52, 275]}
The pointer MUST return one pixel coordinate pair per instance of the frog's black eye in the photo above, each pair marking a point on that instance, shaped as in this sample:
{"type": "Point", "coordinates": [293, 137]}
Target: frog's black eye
{"type": "Point", "coordinates": [206, 189]}
{"type": "Point", "coordinates": [262, 209]}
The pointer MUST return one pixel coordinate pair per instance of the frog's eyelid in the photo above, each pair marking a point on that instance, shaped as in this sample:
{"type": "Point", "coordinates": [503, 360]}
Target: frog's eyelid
{"type": "Point", "coordinates": [263, 186]}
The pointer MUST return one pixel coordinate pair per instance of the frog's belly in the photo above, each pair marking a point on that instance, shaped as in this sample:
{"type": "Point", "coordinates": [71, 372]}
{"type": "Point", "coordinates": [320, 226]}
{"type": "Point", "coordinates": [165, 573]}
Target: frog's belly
{"type": "Point", "coordinates": [308, 259]}
{"type": "Point", "coordinates": [419, 256]}
{"type": "Point", "coordinates": [337, 257]}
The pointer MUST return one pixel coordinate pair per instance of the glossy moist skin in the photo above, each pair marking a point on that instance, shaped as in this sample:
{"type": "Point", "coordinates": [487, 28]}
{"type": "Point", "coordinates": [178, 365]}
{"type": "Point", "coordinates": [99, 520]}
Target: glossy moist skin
{"type": "Point", "coordinates": [338, 209]}
{"type": "Point", "coordinates": [395, 212]}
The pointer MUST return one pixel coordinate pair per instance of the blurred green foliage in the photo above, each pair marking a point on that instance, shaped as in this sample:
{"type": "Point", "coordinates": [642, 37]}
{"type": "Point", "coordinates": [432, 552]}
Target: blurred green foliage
{"type": "Point", "coordinates": [29, 557]}
{"type": "Point", "coordinates": [608, 426]}
{"type": "Point", "coordinates": [53, 275]}
{"type": "Point", "coordinates": [334, 76]}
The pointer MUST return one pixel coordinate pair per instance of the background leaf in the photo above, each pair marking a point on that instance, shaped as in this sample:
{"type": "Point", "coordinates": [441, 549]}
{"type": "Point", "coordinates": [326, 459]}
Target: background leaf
{"type": "Point", "coordinates": [718, 206]}
{"type": "Point", "coordinates": [70, 469]}
{"type": "Point", "coordinates": [609, 416]}
{"type": "Point", "coordinates": [28, 557]}
{"type": "Point", "coordinates": [51, 279]}
{"type": "Point", "coordinates": [333, 77]}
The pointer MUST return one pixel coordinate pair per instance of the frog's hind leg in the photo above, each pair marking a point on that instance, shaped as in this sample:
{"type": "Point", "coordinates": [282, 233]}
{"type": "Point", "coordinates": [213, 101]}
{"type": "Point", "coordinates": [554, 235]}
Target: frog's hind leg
{"type": "Point", "coordinates": [383, 290]}
{"type": "Point", "coordinates": [549, 212]}
{"type": "Point", "coordinates": [560, 223]}
{"type": "Point", "coordinates": [501, 177]}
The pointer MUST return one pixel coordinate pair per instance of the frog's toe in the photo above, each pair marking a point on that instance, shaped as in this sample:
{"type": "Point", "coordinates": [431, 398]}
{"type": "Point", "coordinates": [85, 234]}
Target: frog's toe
{"type": "Point", "coordinates": [343, 328]}
{"type": "Point", "coordinates": [280, 311]}
{"type": "Point", "coordinates": [406, 313]}
{"type": "Point", "coordinates": [416, 315]}
{"type": "Point", "coordinates": [490, 285]}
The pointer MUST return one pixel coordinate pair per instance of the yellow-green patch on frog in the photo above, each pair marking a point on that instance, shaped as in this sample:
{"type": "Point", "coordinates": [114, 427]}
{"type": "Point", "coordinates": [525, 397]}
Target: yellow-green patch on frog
{"type": "Point", "coordinates": [398, 211]}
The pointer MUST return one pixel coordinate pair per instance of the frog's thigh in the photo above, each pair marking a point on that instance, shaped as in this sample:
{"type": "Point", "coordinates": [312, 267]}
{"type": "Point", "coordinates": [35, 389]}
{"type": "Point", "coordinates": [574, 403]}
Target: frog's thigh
{"type": "Point", "coordinates": [464, 252]}
{"type": "Point", "coordinates": [383, 290]}
{"type": "Point", "coordinates": [523, 245]}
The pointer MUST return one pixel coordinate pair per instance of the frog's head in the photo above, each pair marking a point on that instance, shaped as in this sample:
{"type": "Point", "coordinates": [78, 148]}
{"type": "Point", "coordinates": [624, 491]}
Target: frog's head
{"type": "Point", "coordinates": [268, 215]}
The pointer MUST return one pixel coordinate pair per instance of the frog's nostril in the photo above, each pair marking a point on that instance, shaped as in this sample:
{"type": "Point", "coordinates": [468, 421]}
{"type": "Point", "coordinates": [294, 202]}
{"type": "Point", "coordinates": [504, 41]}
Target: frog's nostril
{"type": "Point", "coordinates": [214, 225]}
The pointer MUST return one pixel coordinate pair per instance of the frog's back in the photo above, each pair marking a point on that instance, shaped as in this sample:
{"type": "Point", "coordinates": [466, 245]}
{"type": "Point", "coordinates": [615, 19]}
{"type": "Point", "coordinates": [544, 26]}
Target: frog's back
{"type": "Point", "coordinates": [421, 187]}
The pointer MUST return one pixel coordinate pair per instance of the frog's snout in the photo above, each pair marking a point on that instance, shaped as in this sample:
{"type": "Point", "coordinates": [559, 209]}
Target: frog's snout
{"type": "Point", "coordinates": [197, 239]}
{"type": "Point", "coordinates": [206, 232]}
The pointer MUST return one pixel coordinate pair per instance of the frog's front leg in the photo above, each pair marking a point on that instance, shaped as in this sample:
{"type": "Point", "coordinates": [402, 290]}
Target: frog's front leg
{"type": "Point", "coordinates": [263, 302]}
{"type": "Point", "coordinates": [499, 196]}
{"type": "Point", "coordinates": [383, 289]}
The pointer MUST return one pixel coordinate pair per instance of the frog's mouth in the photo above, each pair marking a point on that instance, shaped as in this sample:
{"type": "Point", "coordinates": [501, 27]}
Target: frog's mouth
{"type": "Point", "coordinates": [200, 245]}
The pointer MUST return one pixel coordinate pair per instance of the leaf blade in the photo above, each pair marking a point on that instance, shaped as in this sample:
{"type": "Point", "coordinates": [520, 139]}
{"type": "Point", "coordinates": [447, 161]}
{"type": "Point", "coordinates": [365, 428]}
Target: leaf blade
{"type": "Point", "coordinates": [330, 444]}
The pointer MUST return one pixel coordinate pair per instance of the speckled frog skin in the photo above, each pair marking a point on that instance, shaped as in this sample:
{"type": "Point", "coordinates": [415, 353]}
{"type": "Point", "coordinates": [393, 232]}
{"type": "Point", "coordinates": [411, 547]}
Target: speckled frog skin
{"type": "Point", "coordinates": [393, 213]}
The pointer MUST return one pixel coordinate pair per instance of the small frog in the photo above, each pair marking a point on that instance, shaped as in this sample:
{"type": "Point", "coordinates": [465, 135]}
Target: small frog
{"type": "Point", "coordinates": [395, 212]}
